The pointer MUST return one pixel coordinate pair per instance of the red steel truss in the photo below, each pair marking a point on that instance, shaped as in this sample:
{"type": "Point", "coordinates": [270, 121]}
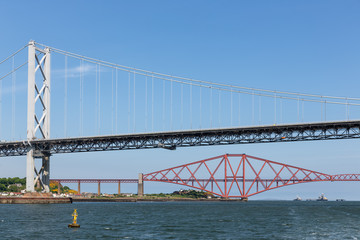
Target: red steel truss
{"type": "Point", "coordinates": [240, 175]}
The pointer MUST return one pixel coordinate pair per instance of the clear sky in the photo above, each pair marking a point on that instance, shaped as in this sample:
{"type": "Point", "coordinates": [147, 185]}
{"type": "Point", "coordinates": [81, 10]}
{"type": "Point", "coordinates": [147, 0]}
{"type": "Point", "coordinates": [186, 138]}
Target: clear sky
{"type": "Point", "coordinates": [297, 46]}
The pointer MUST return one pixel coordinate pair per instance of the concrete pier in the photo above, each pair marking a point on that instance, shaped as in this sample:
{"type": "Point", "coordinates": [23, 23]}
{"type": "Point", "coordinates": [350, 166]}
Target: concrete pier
{"type": "Point", "coordinates": [79, 189]}
{"type": "Point", "coordinates": [119, 192]}
{"type": "Point", "coordinates": [99, 192]}
{"type": "Point", "coordinates": [140, 185]}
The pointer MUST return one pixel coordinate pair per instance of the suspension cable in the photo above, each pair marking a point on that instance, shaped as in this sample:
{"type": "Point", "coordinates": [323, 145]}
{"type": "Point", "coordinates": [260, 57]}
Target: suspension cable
{"type": "Point", "coordinates": [210, 84]}
{"type": "Point", "coordinates": [12, 71]}
{"type": "Point", "coordinates": [12, 55]}
{"type": "Point", "coordinates": [145, 72]}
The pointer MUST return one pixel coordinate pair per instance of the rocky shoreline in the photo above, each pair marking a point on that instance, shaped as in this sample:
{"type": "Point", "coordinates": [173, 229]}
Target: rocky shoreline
{"type": "Point", "coordinates": [35, 198]}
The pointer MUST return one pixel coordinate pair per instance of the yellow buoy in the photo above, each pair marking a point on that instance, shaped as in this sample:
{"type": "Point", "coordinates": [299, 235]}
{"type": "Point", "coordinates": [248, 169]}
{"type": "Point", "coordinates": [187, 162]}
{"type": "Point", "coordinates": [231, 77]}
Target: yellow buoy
{"type": "Point", "coordinates": [74, 224]}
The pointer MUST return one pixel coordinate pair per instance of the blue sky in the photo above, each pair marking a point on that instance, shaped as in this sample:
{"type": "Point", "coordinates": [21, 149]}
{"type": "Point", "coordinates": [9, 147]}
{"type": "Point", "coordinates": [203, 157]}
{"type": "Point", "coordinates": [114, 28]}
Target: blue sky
{"type": "Point", "coordinates": [297, 46]}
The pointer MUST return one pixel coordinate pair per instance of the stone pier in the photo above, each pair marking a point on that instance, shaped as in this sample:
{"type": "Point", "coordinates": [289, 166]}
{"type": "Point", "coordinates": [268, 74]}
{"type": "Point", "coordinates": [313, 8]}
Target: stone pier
{"type": "Point", "coordinates": [140, 185]}
{"type": "Point", "coordinates": [79, 189]}
{"type": "Point", "coordinates": [99, 192]}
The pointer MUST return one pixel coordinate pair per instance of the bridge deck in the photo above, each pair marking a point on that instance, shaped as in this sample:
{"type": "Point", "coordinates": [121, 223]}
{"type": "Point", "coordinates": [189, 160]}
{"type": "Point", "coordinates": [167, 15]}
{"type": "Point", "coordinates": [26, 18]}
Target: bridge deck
{"type": "Point", "coordinates": [205, 137]}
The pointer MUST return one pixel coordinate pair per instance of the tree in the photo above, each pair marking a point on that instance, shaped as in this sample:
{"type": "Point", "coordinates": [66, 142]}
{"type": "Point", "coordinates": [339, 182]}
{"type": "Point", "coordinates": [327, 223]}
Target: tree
{"type": "Point", "coordinates": [4, 181]}
{"type": "Point", "coordinates": [13, 188]}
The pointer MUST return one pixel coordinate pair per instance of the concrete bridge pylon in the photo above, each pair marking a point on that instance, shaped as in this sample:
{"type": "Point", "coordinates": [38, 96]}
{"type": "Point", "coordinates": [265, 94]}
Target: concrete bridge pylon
{"type": "Point", "coordinates": [38, 115]}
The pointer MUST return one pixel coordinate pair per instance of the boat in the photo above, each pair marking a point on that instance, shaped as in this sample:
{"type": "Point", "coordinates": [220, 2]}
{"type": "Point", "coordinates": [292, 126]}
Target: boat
{"type": "Point", "coordinates": [322, 198]}
{"type": "Point", "coordinates": [297, 198]}
{"type": "Point", "coordinates": [340, 200]}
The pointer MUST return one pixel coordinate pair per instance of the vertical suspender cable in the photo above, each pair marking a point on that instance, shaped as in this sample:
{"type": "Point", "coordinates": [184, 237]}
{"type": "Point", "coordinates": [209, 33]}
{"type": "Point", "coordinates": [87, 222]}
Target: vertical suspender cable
{"type": "Point", "coordinates": [146, 104]}
{"type": "Point", "coordinates": [281, 110]}
{"type": "Point", "coordinates": [190, 106]}
{"type": "Point", "coordinates": [116, 100]}
{"type": "Point", "coordinates": [129, 101]}
{"type": "Point", "coordinates": [182, 106]}
{"type": "Point", "coordinates": [96, 97]}
{"type": "Point", "coordinates": [239, 110]}
{"type": "Point", "coordinates": [211, 106]}
{"type": "Point", "coordinates": [152, 104]}
{"type": "Point", "coordinates": [13, 99]}
{"type": "Point", "coordinates": [302, 115]}
{"type": "Point", "coordinates": [81, 97]}
{"type": "Point", "coordinates": [163, 107]}
{"type": "Point", "coordinates": [325, 111]}
{"type": "Point", "coordinates": [259, 109]}
{"type": "Point", "coordinates": [171, 104]}
{"type": "Point", "coordinates": [219, 109]}
{"type": "Point", "coordinates": [65, 99]}
{"type": "Point", "coordinates": [1, 108]}
{"type": "Point", "coordinates": [347, 109]}
{"type": "Point", "coordinates": [298, 109]}
{"type": "Point", "coordinates": [275, 107]}
{"type": "Point", "coordinates": [253, 110]}
{"type": "Point", "coordinates": [200, 107]}
{"type": "Point", "coordinates": [134, 111]}
{"type": "Point", "coordinates": [99, 121]}
{"type": "Point", "coordinates": [321, 108]}
{"type": "Point", "coordinates": [231, 107]}
{"type": "Point", "coordinates": [112, 101]}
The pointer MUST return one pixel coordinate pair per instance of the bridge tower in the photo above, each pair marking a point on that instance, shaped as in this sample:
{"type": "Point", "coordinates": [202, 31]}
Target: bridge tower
{"type": "Point", "coordinates": [38, 116]}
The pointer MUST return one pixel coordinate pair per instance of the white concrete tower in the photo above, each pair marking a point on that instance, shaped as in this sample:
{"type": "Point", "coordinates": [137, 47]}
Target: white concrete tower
{"type": "Point", "coordinates": [38, 115]}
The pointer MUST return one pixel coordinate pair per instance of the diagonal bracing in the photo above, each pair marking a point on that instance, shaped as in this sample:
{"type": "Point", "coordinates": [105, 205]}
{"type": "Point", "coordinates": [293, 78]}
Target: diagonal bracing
{"type": "Point", "coordinates": [240, 175]}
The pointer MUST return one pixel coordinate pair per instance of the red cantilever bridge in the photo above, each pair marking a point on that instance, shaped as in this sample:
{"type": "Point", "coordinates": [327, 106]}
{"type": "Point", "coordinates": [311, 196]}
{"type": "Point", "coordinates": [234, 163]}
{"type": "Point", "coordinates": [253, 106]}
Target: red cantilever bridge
{"type": "Point", "coordinates": [240, 175]}
{"type": "Point", "coordinates": [229, 176]}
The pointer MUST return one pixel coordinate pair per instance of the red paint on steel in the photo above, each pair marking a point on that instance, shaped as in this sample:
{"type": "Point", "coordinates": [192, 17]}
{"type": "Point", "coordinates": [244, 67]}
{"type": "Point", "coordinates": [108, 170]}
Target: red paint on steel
{"type": "Point", "coordinates": [235, 184]}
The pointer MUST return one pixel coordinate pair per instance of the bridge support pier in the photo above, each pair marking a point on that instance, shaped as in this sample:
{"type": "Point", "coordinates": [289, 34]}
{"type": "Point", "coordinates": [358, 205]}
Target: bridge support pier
{"type": "Point", "coordinates": [79, 190]}
{"type": "Point", "coordinates": [38, 116]}
{"type": "Point", "coordinates": [140, 185]}
{"type": "Point", "coordinates": [59, 187]}
{"type": "Point", "coordinates": [46, 173]}
{"type": "Point", "coordinates": [30, 166]}
{"type": "Point", "coordinates": [119, 192]}
{"type": "Point", "coordinates": [99, 192]}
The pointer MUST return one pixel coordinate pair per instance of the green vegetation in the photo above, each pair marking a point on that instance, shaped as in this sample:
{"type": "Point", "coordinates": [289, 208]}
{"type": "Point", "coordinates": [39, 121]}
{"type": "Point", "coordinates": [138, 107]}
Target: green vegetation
{"type": "Point", "coordinates": [63, 189]}
{"type": "Point", "coordinates": [12, 184]}
{"type": "Point", "coordinates": [182, 194]}
{"type": "Point", "coordinates": [192, 194]}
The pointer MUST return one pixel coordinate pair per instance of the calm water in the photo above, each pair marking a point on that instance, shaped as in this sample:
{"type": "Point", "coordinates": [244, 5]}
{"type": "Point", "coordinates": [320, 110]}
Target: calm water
{"type": "Point", "coordinates": [184, 220]}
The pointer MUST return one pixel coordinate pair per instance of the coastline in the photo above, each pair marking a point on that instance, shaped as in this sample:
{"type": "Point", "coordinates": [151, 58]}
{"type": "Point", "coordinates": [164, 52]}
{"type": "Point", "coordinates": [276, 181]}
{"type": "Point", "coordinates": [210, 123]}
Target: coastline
{"type": "Point", "coordinates": [35, 200]}
{"type": "Point", "coordinates": [67, 200]}
{"type": "Point", "coordinates": [77, 199]}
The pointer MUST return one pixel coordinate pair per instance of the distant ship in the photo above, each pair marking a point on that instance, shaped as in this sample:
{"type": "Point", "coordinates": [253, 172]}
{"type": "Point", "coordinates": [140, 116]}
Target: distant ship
{"type": "Point", "coordinates": [298, 199]}
{"type": "Point", "coordinates": [340, 200]}
{"type": "Point", "coordinates": [322, 198]}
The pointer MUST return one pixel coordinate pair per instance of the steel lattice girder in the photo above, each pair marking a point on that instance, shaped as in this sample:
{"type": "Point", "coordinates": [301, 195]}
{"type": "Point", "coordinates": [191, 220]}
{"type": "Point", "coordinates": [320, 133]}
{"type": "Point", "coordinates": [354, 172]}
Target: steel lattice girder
{"type": "Point", "coordinates": [240, 175]}
{"type": "Point", "coordinates": [171, 140]}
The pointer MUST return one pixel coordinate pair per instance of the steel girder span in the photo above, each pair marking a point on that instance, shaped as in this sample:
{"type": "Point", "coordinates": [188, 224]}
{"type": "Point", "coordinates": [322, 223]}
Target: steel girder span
{"type": "Point", "coordinates": [187, 138]}
{"type": "Point", "coordinates": [240, 175]}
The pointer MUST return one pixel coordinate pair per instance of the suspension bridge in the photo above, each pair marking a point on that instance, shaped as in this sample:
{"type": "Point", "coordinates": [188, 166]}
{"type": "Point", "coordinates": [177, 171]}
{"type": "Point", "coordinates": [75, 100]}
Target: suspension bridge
{"type": "Point", "coordinates": [102, 106]}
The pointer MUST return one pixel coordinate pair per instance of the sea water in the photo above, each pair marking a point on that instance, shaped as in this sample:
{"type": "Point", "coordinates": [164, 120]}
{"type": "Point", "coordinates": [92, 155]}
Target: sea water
{"type": "Point", "coordinates": [183, 220]}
